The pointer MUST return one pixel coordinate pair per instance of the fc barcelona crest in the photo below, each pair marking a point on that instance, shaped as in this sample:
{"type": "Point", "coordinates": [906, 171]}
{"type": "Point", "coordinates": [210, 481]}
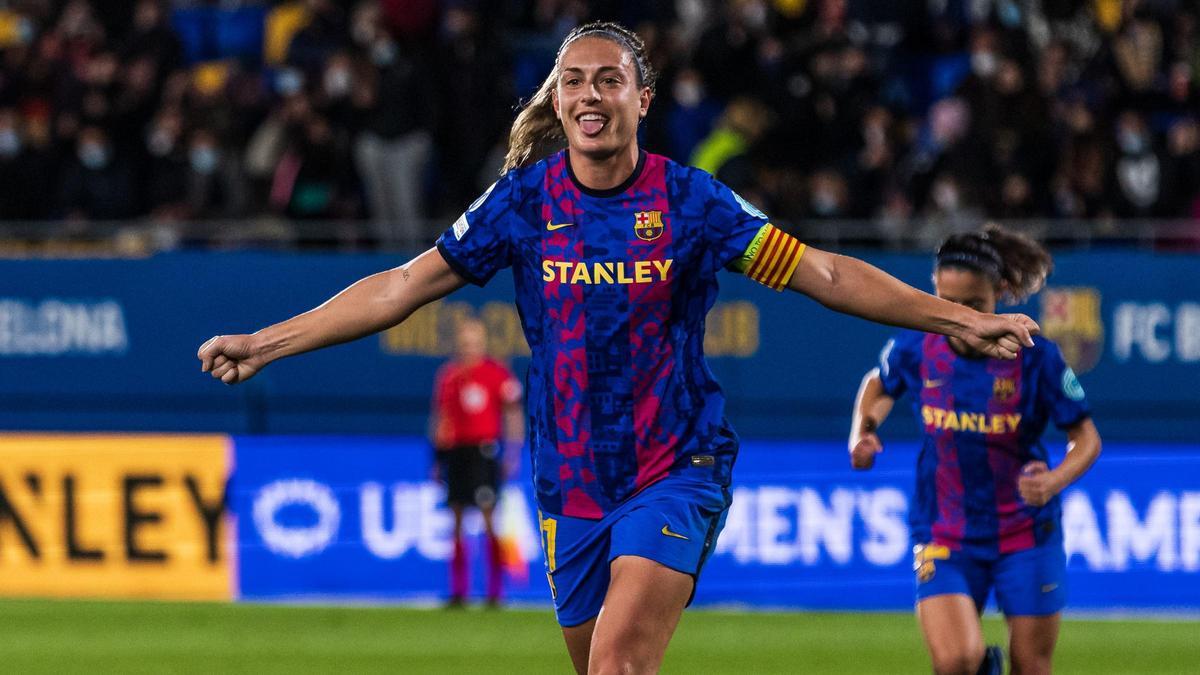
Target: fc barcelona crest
{"type": "Point", "coordinates": [1003, 388]}
{"type": "Point", "coordinates": [648, 225]}
{"type": "Point", "coordinates": [1071, 317]}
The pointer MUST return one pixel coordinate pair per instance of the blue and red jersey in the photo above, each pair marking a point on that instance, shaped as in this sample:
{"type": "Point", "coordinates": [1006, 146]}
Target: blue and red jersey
{"type": "Point", "coordinates": [982, 419]}
{"type": "Point", "coordinates": [612, 288]}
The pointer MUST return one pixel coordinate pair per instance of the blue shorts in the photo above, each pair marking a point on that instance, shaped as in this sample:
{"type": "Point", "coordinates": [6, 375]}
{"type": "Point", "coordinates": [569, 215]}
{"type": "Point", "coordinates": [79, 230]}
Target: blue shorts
{"type": "Point", "coordinates": [1027, 583]}
{"type": "Point", "coordinates": [674, 522]}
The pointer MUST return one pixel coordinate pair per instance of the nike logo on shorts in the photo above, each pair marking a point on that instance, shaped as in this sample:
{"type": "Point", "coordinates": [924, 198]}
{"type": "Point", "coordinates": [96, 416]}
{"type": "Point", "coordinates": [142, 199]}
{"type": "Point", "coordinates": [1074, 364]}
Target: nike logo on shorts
{"type": "Point", "coordinates": [550, 227]}
{"type": "Point", "coordinates": [667, 531]}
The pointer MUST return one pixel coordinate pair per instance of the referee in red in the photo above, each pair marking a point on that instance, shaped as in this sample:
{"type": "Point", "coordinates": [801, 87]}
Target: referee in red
{"type": "Point", "coordinates": [477, 428]}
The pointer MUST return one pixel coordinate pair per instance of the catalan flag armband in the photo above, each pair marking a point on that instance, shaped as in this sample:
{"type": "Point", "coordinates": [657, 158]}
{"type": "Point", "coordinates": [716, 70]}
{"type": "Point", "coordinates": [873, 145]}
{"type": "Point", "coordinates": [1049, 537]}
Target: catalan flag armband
{"type": "Point", "coordinates": [771, 257]}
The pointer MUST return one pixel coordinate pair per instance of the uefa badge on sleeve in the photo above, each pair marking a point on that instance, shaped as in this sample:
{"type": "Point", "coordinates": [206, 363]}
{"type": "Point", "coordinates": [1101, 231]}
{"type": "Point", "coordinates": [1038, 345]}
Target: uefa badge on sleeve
{"type": "Point", "coordinates": [648, 225]}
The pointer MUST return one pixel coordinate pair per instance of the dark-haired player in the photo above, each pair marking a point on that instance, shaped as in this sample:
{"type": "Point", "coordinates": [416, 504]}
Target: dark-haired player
{"type": "Point", "coordinates": [986, 516]}
{"type": "Point", "coordinates": [615, 255]}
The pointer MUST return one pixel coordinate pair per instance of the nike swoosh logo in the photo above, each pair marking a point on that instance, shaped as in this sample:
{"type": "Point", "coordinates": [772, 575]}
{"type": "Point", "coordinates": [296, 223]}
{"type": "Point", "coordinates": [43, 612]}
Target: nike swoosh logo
{"type": "Point", "coordinates": [1049, 587]}
{"type": "Point", "coordinates": [550, 227]}
{"type": "Point", "coordinates": [667, 531]}
{"type": "Point", "coordinates": [930, 384]}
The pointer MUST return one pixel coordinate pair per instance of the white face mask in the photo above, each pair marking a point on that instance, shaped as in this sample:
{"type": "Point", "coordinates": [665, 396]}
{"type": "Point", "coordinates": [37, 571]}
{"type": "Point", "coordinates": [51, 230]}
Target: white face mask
{"type": "Point", "coordinates": [755, 14]}
{"type": "Point", "coordinates": [10, 143]}
{"type": "Point", "coordinates": [93, 156]}
{"type": "Point", "coordinates": [1131, 142]}
{"type": "Point", "coordinates": [203, 159]}
{"type": "Point", "coordinates": [825, 203]}
{"type": "Point", "coordinates": [688, 93]}
{"type": "Point", "coordinates": [160, 143]}
{"type": "Point", "coordinates": [984, 64]}
{"type": "Point", "coordinates": [945, 196]}
{"type": "Point", "coordinates": [383, 53]}
{"type": "Point", "coordinates": [337, 82]}
{"type": "Point", "coordinates": [289, 81]}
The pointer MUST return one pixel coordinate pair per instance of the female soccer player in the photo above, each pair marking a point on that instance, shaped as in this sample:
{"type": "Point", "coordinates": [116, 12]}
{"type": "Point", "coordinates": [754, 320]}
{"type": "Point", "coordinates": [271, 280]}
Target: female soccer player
{"type": "Point", "coordinates": [615, 255]}
{"type": "Point", "coordinates": [986, 513]}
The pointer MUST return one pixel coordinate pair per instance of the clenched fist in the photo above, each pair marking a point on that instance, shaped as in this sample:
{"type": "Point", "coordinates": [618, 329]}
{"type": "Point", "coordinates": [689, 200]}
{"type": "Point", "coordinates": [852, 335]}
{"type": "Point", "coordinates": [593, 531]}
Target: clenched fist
{"type": "Point", "coordinates": [231, 358]}
{"type": "Point", "coordinates": [1037, 484]}
{"type": "Point", "coordinates": [862, 455]}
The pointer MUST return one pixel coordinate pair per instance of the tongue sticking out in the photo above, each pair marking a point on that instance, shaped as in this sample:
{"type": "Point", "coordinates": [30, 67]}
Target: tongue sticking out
{"type": "Point", "coordinates": [591, 127]}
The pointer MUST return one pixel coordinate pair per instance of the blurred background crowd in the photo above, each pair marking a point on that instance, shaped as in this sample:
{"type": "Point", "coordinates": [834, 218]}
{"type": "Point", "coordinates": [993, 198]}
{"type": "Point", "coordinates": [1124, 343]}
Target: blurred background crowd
{"type": "Point", "coordinates": [387, 117]}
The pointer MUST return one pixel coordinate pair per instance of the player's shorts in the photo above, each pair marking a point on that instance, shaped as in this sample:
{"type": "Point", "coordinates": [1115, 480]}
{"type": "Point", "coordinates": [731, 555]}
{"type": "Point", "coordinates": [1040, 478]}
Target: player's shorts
{"type": "Point", "coordinates": [1027, 583]}
{"type": "Point", "coordinates": [472, 474]}
{"type": "Point", "coordinates": [674, 522]}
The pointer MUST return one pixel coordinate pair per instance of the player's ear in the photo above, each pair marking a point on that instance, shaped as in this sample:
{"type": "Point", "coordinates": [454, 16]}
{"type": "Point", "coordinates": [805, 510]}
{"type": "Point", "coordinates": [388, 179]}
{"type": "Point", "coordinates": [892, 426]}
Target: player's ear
{"type": "Point", "coordinates": [554, 103]}
{"type": "Point", "coordinates": [644, 104]}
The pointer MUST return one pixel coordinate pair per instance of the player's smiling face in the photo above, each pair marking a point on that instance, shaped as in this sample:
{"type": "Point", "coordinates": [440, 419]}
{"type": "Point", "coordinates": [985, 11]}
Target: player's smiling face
{"type": "Point", "coordinates": [598, 98]}
{"type": "Point", "coordinates": [965, 287]}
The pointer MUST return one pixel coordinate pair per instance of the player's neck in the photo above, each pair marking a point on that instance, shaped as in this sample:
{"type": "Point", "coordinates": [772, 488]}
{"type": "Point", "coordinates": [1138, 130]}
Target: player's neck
{"type": "Point", "coordinates": [606, 173]}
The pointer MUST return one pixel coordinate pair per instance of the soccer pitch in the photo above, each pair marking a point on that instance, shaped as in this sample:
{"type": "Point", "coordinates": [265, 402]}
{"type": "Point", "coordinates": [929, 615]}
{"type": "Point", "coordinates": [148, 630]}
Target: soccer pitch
{"type": "Point", "coordinates": [158, 637]}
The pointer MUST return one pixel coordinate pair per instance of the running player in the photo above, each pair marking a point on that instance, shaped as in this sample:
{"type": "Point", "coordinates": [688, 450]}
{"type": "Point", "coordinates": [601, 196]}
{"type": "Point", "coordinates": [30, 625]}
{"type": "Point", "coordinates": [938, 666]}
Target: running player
{"type": "Point", "coordinates": [615, 254]}
{"type": "Point", "coordinates": [476, 428]}
{"type": "Point", "coordinates": [987, 513]}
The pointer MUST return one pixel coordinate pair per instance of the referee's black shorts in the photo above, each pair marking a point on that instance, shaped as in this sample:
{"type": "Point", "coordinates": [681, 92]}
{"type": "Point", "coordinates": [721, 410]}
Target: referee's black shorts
{"type": "Point", "coordinates": [471, 473]}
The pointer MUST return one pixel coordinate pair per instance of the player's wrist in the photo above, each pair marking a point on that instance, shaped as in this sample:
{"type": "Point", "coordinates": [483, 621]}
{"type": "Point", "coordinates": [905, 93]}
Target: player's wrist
{"type": "Point", "coordinates": [1058, 481]}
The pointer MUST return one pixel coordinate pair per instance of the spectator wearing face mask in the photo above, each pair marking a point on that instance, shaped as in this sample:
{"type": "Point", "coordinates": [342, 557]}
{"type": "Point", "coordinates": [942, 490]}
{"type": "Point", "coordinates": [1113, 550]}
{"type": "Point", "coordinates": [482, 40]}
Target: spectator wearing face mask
{"type": "Point", "coordinates": [215, 188]}
{"type": "Point", "coordinates": [26, 168]}
{"type": "Point", "coordinates": [98, 184]}
{"type": "Point", "coordinates": [691, 113]}
{"type": "Point", "coordinates": [165, 167]}
{"type": "Point", "coordinates": [1181, 171]}
{"type": "Point", "coordinates": [474, 74]}
{"type": "Point", "coordinates": [1137, 170]}
{"type": "Point", "coordinates": [393, 151]}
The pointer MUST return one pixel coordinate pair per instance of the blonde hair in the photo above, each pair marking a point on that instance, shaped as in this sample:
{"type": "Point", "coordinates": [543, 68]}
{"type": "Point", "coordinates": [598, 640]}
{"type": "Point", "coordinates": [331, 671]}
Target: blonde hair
{"type": "Point", "coordinates": [537, 131]}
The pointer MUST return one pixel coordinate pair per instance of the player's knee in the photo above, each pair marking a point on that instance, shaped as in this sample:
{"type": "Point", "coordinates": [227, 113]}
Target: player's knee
{"type": "Point", "coordinates": [1032, 661]}
{"type": "Point", "coordinates": [621, 663]}
{"type": "Point", "coordinates": [632, 650]}
{"type": "Point", "coordinates": [957, 661]}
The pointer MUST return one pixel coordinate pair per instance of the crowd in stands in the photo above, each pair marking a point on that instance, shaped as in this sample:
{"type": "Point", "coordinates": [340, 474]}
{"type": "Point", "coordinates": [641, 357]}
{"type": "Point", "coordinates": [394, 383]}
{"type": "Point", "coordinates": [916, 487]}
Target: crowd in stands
{"type": "Point", "coordinates": [394, 113]}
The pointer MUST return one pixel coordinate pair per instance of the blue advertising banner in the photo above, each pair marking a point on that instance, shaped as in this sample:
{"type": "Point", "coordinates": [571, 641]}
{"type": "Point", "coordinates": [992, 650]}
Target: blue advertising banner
{"type": "Point", "coordinates": [346, 518]}
{"type": "Point", "coordinates": [110, 345]}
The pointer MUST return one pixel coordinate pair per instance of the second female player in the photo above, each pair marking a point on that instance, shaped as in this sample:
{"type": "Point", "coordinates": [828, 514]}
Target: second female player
{"type": "Point", "coordinates": [986, 515]}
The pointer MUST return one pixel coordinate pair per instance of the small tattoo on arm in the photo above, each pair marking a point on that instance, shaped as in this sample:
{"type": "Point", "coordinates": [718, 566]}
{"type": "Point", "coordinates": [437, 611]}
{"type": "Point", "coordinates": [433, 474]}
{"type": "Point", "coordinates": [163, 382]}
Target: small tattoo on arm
{"type": "Point", "coordinates": [404, 274]}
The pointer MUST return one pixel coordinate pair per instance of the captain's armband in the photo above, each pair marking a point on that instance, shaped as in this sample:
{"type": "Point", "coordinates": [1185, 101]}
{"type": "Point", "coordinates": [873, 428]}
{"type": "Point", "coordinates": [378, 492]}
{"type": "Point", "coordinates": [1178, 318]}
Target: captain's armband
{"type": "Point", "coordinates": [771, 257]}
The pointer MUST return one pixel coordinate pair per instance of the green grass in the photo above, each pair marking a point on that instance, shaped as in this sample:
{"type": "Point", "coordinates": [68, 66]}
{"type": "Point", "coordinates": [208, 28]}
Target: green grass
{"type": "Point", "coordinates": [150, 637]}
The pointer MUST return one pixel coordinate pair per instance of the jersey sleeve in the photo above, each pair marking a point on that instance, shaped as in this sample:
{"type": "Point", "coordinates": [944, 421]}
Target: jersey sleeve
{"type": "Point", "coordinates": [1059, 391]}
{"type": "Point", "coordinates": [892, 363]}
{"type": "Point", "coordinates": [745, 241]}
{"type": "Point", "coordinates": [478, 244]}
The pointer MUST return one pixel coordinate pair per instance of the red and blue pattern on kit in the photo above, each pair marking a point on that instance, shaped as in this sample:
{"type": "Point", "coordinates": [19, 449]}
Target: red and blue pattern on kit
{"type": "Point", "coordinates": [612, 289]}
{"type": "Point", "coordinates": [982, 420]}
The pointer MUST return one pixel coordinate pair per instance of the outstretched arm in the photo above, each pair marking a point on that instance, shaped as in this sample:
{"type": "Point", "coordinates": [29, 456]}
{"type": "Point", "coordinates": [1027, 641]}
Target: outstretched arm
{"type": "Point", "coordinates": [368, 306]}
{"type": "Point", "coordinates": [852, 286]}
